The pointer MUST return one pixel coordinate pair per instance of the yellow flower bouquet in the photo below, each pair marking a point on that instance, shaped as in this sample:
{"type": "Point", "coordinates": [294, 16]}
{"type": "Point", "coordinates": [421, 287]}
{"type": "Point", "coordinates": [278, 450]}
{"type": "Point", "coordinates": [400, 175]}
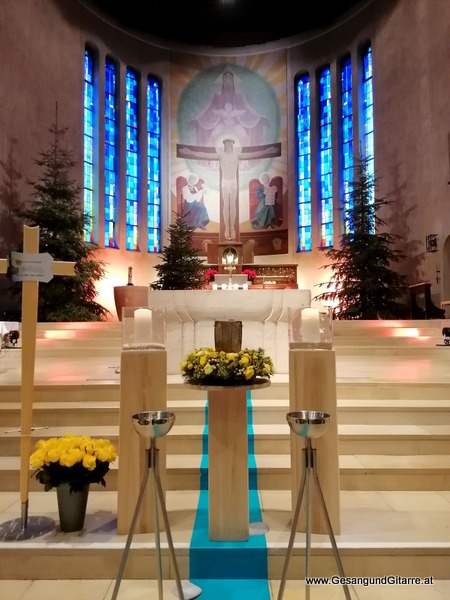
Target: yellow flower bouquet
{"type": "Point", "coordinates": [72, 459]}
{"type": "Point", "coordinates": [207, 366]}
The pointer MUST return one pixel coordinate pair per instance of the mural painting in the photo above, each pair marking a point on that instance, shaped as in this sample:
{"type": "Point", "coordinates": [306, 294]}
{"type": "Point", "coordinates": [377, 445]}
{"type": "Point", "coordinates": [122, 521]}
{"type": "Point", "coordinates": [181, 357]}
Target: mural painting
{"type": "Point", "coordinates": [230, 176]}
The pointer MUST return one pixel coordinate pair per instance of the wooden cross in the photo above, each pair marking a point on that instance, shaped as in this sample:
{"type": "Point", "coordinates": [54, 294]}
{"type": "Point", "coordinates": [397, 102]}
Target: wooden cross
{"type": "Point", "coordinates": [30, 294]}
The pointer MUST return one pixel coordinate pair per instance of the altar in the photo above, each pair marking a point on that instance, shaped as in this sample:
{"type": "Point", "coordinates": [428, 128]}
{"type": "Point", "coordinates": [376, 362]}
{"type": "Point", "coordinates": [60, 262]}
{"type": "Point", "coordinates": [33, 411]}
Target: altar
{"type": "Point", "coordinates": [190, 316]}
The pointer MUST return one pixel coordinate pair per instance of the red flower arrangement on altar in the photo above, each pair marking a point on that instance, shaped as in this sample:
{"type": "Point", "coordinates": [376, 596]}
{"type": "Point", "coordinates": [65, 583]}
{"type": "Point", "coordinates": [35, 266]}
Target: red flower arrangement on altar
{"type": "Point", "coordinates": [251, 274]}
{"type": "Point", "coordinates": [209, 275]}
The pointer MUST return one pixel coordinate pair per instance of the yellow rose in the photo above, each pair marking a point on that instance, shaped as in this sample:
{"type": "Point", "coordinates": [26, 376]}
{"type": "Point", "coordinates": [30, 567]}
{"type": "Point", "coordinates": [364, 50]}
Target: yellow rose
{"type": "Point", "coordinates": [71, 458]}
{"type": "Point", "coordinates": [244, 360]}
{"type": "Point", "coordinates": [37, 459]}
{"type": "Point", "coordinates": [208, 369]}
{"type": "Point", "coordinates": [89, 462]}
{"type": "Point", "coordinates": [249, 373]}
{"type": "Point", "coordinates": [203, 360]}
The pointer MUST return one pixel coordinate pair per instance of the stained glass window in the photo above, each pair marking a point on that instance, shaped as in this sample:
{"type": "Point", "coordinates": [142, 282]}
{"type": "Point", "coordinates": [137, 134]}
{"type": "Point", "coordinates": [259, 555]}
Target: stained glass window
{"type": "Point", "coordinates": [153, 166]}
{"type": "Point", "coordinates": [368, 141]}
{"type": "Point", "coordinates": [111, 154]}
{"type": "Point", "coordinates": [132, 162]}
{"type": "Point", "coordinates": [325, 160]}
{"type": "Point", "coordinates": [304, 164]}
{"type": "Point", "coordinates": [346, 139]}
{"type": "Point", "coordinates": [88, 144]}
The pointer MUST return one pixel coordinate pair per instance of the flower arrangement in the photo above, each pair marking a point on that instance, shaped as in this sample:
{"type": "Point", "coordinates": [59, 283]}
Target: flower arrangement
{"type": "Point", "coordinates": [207, 366]}
{"type": "Point", "coordinates": [251, 274]}
{"type": "Point", "coordinates": [72, 459]}
{"type": "Point", "coordinates": [209, 275]}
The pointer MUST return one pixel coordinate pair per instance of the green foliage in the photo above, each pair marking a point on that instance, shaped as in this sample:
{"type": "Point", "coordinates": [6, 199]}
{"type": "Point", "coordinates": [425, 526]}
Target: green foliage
{"type": "Point", "coordinates": [56, 209]}
{"type": "Point", "coordinates": [181, 269]}
{"type": "Point", "coordinates": [363, 284]}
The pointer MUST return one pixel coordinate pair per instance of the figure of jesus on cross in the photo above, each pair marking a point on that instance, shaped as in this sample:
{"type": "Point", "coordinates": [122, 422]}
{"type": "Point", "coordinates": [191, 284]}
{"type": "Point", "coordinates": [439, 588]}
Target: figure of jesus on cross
{"type": "Point", "coordinates": [229, 157]}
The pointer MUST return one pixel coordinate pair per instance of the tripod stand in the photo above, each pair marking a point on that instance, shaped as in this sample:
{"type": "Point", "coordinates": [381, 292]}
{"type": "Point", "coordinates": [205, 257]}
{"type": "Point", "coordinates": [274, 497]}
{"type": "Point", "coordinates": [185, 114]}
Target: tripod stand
{"type": "Point", "coordinates": [152, 425]}
{"type": "Point", "coordinates": [309, 424]}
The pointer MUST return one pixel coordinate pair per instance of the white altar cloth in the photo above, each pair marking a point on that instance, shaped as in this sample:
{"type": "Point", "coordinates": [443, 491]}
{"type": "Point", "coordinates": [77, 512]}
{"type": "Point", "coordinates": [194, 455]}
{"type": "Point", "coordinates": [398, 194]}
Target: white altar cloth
{"type": "Point", "coordinates": [191, 314]}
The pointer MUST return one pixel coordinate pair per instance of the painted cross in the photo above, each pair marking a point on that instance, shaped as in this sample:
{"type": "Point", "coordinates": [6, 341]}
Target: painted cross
{"type": "Point", "coordinates": [30, 295]}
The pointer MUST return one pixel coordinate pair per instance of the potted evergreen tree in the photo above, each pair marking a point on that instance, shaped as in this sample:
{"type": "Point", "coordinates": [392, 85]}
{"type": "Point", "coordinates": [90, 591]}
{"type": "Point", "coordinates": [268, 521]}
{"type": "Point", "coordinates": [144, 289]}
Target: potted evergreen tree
{"type": "Point", "coordinates": [363, 285]}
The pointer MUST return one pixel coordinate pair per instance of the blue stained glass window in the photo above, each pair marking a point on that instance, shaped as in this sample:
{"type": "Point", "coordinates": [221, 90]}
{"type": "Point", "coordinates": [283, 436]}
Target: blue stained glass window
{"type": "Point", "coordinates": [153, 166]}
{"type": "Point", "coordinates": [111, 152]}
{"type": "Point", "coordinates": [131, 157]}
{"type": "Point", "coordinates": [368, 141]}
{"type": "Point", "coordinates": [346, 139]}
{"type": "Point", "coordinates": [88, 144]}
{"type": "Point", "coordinates": [304, 165]}
{"type": "Point", "coordinates": [325, 160]}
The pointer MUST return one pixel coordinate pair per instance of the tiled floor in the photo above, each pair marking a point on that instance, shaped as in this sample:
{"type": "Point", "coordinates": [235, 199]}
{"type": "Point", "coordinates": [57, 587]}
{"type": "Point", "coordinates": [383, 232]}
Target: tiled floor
{"type": "Point", "coordinates": [413, 519]}
{"type": "Point", "coordinates": [409, 519]}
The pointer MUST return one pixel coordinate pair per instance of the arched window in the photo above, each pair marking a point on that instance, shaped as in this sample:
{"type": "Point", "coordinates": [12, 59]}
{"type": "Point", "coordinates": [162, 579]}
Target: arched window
{"type": "Point", "coordinates": [153, 166]}
{"type": "Point", "coordinates": [346, 139]}
{"type": "Point", "coordinates": [304, 222]}
{"type": "Point", "coordinates": [325, 160]}
{"type": "Point", "coordinates": [111, 155]}
{"type": "Point", "coordinates": [88, 143]}
{"type": "Point", "coordinates": [132, 161]}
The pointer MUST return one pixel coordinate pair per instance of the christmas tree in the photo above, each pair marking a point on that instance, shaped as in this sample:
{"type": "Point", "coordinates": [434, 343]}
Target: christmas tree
{"type": "Point", "coordinates": [181, 269]}
{"type": "Point", "coordinates": [363, 284]}
{"type": "Point", "coordinates": [56, 209]}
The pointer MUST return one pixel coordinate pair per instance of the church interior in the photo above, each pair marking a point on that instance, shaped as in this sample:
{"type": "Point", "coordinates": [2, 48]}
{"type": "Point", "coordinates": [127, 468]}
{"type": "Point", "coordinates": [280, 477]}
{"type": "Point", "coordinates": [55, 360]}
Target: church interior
{"type": "Point", "coordinates": [207, 117]}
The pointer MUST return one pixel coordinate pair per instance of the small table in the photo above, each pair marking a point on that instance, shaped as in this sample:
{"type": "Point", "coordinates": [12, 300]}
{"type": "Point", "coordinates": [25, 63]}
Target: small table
{"type": "Point", "coordinates": [228, 506]}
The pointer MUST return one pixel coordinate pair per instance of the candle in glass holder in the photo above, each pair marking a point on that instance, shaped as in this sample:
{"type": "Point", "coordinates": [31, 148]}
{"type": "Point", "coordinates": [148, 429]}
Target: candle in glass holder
{"type": "Point", "coordinates": [310, 325]}
{"type": "Point", "coordinates": [142, 326]}
{"type": "Point", "coordinates": [215, 286]}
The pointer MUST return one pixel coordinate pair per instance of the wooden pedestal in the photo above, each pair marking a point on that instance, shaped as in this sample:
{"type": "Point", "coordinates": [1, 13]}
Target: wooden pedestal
{"type": "Point", "coordinates": [228, 461]}
{"type": "Point", "coordinates": [143, 385]}
{"type": "Point", "coordinates": [312, 386]}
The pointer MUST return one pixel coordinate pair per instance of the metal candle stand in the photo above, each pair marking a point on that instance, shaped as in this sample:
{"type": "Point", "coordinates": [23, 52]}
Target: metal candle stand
{"type": "Point", "coordinates": [152, 425]}
{"type": "Point", "coordinates": [309, 425]}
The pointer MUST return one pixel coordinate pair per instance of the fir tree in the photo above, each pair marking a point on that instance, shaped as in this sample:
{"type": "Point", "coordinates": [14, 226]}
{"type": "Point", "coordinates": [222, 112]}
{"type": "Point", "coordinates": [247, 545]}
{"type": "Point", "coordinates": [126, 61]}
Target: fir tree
{"type": "Point", "coordinates": [181, 269]}
{"type": "Point", "coordinates": [56, 209]}
{"type": "Point", "coordinates": [363, 284]}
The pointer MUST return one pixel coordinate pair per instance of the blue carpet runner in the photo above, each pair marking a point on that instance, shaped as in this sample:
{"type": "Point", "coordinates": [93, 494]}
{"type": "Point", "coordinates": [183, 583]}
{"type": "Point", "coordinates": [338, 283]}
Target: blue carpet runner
{"type": "Point", "coordinates": [229, 570]}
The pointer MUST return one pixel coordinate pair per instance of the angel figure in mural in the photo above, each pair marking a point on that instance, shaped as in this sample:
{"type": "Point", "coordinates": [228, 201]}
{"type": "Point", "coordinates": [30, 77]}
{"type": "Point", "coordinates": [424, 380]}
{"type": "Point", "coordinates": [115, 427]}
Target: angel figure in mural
{"type": "Point", "coordinates": [193, 209]}
{"type": "Point", "coordinates": [264, 214]}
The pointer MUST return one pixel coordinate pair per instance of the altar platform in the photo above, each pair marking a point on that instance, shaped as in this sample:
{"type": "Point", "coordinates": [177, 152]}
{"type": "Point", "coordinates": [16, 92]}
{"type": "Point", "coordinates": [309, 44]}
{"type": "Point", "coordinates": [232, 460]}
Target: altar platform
{"type": "Point", "coordinates": [191, 314]}
{"type": "Point", "coordinates": [394, 429]}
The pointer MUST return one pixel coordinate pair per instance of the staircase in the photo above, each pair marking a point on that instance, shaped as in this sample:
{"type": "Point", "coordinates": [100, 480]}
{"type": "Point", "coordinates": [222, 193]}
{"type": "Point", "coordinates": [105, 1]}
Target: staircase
{"type": "Point", "coordinates": [393, 389]}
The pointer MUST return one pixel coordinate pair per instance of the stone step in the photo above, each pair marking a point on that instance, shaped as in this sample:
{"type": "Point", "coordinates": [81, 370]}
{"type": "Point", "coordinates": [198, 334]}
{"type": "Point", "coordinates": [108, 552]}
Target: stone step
{"type": "Point", "coordinates": [360, 472]}
{"type": "Point", "coordinates": [362, 550]}
{"type": "Point", "coordinates": [265, 412]}
{"type": "Point", "coordinates": [275, 438]}
{"type": "Point", "coordinates": [107, 388]}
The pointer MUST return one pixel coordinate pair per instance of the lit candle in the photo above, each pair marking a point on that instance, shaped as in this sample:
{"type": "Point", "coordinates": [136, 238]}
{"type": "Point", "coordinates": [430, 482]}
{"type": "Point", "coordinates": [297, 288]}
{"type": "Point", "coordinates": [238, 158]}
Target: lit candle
{"type": "Point", "coordinates": [310, 325]}
{"type": "Point", "coordinates": [142, 326]}
{"type": "Point", "coordinates": [235, 286]}
{"type": "Point", "coordinates": [245, 286]}
{"type": "Point", "coordinates": [224, 286]}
